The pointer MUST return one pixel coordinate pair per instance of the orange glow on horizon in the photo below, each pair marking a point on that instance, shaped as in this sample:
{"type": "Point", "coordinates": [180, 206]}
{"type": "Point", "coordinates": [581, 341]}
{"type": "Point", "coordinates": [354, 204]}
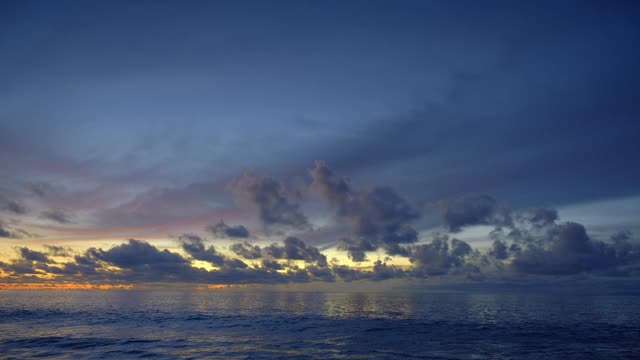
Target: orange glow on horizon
{"type": "Point", "coordinates": [63, 286]}
{"type": "Point", "coordinates": [86, 286]}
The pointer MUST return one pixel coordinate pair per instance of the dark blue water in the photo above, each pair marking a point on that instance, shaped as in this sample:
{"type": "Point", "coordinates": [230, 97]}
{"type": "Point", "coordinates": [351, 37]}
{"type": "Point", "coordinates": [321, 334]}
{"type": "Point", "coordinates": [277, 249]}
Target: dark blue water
{"type": "Point", "coordinates": [257, 325]}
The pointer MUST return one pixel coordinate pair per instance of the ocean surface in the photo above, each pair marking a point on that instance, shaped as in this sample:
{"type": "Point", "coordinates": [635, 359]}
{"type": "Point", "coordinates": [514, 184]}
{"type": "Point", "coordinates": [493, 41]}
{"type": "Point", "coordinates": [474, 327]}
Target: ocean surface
{"type": "Point", "coordinates": [259, 325]}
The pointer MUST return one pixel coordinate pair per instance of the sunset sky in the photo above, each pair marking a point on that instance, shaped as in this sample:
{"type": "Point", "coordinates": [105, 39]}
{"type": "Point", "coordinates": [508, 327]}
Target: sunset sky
{"type": "Point", "coordinates": [293, 141]}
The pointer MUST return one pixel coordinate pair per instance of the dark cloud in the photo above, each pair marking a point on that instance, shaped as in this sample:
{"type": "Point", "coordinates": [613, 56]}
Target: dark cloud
{"type": "Point", "coordinates": [16, 208]}
{"type": "Point", "coordinates": [275, 205]}
{"type": "Point", "coordinates": [531, 242]}
{"type": "Point", "coordinates": [140, 256]}
{"type": "Point", "coordinates": [499, 250]}
{"type": "Point", "coordinates": [378, 216]}
{"type": "Point", "coordinates": [246, 250]}
{"type": "Point", "coordinates": [57, 215]}
{"type": "Point", "coordinates": [29, 262]}
{"type": "Point", "coordinates": [222, 230]}
{"type": "Point", "coordinates": [356, 248]}
{"type": "Point", "coordinates": [295, 249]}
{"type": "Point", "coordinates": [292, 248]}
{"type": "Point", "coordinates": [235, 264]}
{"type": "Point", "coordinates": [12, 232]}
{"type": "Point", "coordinates": [55, 250]}
{"type": "Point", "coordinates": [320, 273]}
{"type": "Point", "coordinates": [32, 255]}
{"type": "Point", "coordinates": [137, 262]}
{"type": "Point", "coordinates": [5, 233]}
{"type": "Point", "coordinates": [535, 242]}
{"type": "Point", "coordinates": [570, 83]}
{"type": "Point", "coordinates": [12, 206]}
{"type": "Point", "coordinates": [538, 217]}
{"type": "Point", "coordinates": [439, 256]}
{"type": "Point", "coordinates": [194, 246]}
{"type": "Point", "coordinates": [272, 264]}
{"type": "Point", "coordinates": [380, 271]}
{"type": "Point", "coordinates": [468, 210]}
{"type": "Point", "coordinates": [571, 251]}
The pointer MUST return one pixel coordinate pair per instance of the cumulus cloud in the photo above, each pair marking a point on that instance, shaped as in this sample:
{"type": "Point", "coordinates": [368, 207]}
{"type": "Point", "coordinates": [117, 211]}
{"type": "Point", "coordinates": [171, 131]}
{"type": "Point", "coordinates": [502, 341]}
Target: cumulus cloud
{"type": "Point", "coordinates": [55, 250]}
{"type": "Point", "coordinates": [32, 255]}
{"type": "Point", "coordinates": [439, 256]}
{"type": "Point", "coordinates": [525, 242]}
{"type": "Point", "coordinates": [470, 210]}
{"type": "Point", "coordinates": [139, 255]}
{"type": "Point", "coordinates": [295, 249]}
{"type": "Point", "coordinates": [534, 241]}
{"type": "Point", "coordinates": [274, 204]}
{"type": "Point", "coordinates": [570, 250]}
{"type": "Point", "coordinates": [194, 246]}
{"type": "Point", "coordinates": [498, 250]}
{"type": "Point", "coordinates": [378, 216]}
{"type": "Point", "coordinates": [222, 230]}
{"type": "Point", "coordinates": [29, 262]}
{"type": "Point", "coordinates": [292, 248]}
{"type": "Point", "coordinates": [356, 248]}
{"type": "Point", "coordinates": [246, 250]}
{"type": "Point", "coordinates": [137, 261]}
{"type": "Point", "coordinates": [272, 264]}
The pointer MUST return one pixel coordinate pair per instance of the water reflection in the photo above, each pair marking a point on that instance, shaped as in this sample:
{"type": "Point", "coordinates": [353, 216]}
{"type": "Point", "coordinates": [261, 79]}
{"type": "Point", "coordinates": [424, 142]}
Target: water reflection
{"type": "Point", "coordinates": [197, 324]}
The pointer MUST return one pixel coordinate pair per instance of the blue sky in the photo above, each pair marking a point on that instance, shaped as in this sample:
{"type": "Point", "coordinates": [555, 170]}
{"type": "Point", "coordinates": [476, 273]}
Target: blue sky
{"type": "Point", "coordinates": [131, 119]}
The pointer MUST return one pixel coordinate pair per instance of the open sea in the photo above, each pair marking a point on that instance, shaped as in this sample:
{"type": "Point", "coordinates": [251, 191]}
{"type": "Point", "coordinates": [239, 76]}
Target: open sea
{"type": "Point", "coordinates": [66, 324]}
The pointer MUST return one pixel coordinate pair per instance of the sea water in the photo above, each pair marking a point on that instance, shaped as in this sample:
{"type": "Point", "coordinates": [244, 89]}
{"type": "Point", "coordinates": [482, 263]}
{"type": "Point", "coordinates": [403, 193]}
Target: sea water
{"type": "Point", "coordinates": [76, 324]}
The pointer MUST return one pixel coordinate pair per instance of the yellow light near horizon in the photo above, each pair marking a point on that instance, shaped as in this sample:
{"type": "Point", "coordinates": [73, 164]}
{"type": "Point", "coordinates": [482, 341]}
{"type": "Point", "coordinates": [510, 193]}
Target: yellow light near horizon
{"type": "Point", "coordinates": [63, 286]}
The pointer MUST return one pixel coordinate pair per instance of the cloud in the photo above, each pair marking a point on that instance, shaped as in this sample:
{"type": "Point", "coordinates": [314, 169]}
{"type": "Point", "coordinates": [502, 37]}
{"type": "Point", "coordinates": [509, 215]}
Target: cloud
{"type": "Point", "coordinates": [538, 217]}
{"type": "Point", "coordinates": [29, 262]}
{"type": "Point", "coordinates": [439, 256]}
{"type": "Point", "coordinates": [54, 250]}
{"type": "Point", "coordinates": [292, 248]}
{"type": "Point", "coordinates": [40, 189]}
{"type": "Point", "coordinates": [222, 230]}
{"type": "Point", "coordinates": [526, 242]}
{"type": "Point", "coordinates": [139, 255]}
{"type": "Point", "coordinates": [468, 210]}
{"type": "Point", "coordinates": [356, 248]}
{"type": "Point", "coordinates": [12, 206]}
{"type": "Point", "coordinates": [32, 255]}
{"type": "Point", "coordinates": [246, 250]}
{"type": "Point", "coordinates": [57, 215]}
{"type": "Point", "coordinates": [137, 261]}
{"type": "Point", "coordinates": [272, 264]}
{"type": "Point", "coordinates": [275, 205]}
{"type": "Point", "coordinates": [194, 246]}
{"type": "Point", "coordinates": [295, 249]}
{"type": "Point", "coordinates": [5, 233]}
{"type": "Point", "coordinates": [499, 250]}
{"type": "Point", "coordinates": [570, 250]}
{"type": "Point", "coordinates": [456, 144]}
{"type": "Point", "coordinates": [11, 232]}
{"type": "Point", "coordinates": [16, 208]}
{"type": "Point", "coordinates": [533, 241]}
{"type": "Point", "coordinates": [378, 216]}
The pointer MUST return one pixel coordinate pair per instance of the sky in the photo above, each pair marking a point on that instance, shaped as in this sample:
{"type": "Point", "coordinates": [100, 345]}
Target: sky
{"type": "Point", "coordinates": [253, 142]}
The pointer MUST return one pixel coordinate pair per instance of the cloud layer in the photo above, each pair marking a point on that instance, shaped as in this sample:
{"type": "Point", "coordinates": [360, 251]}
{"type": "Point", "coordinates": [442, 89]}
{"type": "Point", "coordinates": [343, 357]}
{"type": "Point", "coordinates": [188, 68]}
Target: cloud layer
{"type": "Point", "coordinates": [525, 242]}
{"type": "Point", "coordinates": [378, 216]}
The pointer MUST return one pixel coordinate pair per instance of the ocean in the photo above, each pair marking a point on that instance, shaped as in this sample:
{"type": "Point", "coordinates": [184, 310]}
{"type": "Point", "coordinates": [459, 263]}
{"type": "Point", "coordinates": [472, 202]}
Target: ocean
{"type": "Point", "coordinates": [122, 324]}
